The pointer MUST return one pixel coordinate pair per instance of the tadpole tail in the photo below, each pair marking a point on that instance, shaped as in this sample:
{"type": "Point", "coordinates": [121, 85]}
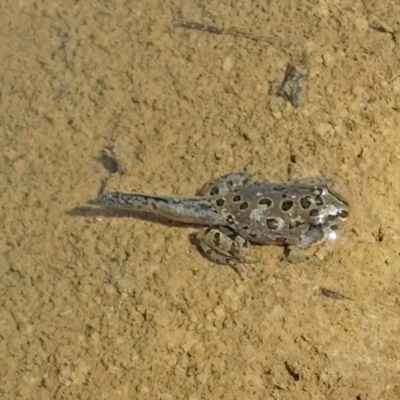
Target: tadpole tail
{"type": "Point", "coordinates": [194, 210]}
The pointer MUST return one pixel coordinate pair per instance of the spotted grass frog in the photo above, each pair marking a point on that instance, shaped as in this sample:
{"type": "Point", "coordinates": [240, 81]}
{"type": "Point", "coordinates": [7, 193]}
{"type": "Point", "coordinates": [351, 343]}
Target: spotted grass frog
{"type": "Point", "coordinates": [238, 210]}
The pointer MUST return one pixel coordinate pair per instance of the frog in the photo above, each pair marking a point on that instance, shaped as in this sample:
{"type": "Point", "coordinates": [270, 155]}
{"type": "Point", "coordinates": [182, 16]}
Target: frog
{"type": "Point", "coordinates": [236, 210]}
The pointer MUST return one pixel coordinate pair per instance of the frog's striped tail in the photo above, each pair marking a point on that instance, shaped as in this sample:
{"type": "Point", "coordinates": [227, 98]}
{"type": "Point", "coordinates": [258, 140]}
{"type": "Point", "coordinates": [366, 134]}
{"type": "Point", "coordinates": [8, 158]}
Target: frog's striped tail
{"type": "Point", "coordinates": [194, 210]}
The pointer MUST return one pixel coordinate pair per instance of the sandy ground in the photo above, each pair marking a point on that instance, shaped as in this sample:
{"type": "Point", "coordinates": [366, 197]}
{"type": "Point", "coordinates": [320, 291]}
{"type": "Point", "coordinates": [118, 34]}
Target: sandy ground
{"type": "Point", "coordinates": [99, 305]}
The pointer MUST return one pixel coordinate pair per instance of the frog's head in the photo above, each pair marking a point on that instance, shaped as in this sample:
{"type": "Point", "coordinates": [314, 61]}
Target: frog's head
{"type": "Point", "coordinates": [332, 213]}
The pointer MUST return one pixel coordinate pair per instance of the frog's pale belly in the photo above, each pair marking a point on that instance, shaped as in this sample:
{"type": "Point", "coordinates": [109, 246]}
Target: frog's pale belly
{"type": "Point", "coordinates": [238, 210]}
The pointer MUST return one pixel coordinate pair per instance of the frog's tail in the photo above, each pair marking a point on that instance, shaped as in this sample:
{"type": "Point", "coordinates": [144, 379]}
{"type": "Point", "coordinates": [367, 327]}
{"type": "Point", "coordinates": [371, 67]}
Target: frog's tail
{"type": "Point", "coordinates": [193, 210]}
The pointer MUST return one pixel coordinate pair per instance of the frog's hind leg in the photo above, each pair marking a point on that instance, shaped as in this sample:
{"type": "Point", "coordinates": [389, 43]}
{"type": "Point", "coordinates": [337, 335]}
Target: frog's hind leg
{"type": "Point", "coordinates": [223, 246]}
{"type": "Point", "coordinates": [226, 184]}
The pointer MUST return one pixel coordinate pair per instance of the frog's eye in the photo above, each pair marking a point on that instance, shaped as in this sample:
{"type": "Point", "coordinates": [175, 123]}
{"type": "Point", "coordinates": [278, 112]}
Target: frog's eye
{"type": "Point", "coordinates": [214, 191]}
{"type": "Point", "coordinates": [343, 214]}
{"type": "Point", "coordinates": [317, 191]}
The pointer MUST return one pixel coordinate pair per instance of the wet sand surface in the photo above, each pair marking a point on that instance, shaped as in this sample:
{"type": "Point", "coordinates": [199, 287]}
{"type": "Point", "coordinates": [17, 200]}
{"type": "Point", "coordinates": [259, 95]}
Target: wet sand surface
{"type": "Point", "coordinates": [159, 97]}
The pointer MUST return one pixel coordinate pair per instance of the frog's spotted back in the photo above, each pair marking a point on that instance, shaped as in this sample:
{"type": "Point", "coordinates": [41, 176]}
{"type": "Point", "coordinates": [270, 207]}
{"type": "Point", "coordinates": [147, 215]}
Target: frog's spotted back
{"type": "Point", "coordinates": [291, 213]}
{"type": "Point", "coordinates": [238, 210]}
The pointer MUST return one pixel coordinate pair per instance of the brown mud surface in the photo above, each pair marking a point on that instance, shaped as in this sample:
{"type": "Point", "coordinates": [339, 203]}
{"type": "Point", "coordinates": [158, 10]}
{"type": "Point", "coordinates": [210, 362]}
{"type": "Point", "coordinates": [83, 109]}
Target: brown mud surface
{"type": "Point", "coordinates": [159, 97]}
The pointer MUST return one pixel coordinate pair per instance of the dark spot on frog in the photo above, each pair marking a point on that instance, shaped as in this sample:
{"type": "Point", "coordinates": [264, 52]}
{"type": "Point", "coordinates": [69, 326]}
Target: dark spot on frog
{"type": "Point", "coordinates": [319, 201]}
{"type": "Point", "coordinates": [265, 201]}
{"type": "Point", "coordinates": [220, 202]}
{"type": "Point", "coordinates": [229, 184]}
{"type": "Point", "coordinates": [335, 227]}
{"type": "Point", "coordinates": [287, 205]}
{"type": "Point", "coordinates": [217, 239]}
{"type": "Point", "coordinates": [237, 198]}
{"type": "Point", "coordinates": [295, 224]}
{"type": "Point", "coordinates": [234, 251]}
{"type": "Point", "coordinates": [314, 213]}
{"type": "Point", "coordinates": [272, 224]}
{"type": "Point", "coordinates": [279, 188]}
{"type": "Point", "coordinates": [244, 205]}
{"type": "Point", "coordinates": [231, 234]}
{"type": "Point", "coordinates": [245, 227]}
{"type": "Point", "coordinates": [214, 191]}
{"type": "Point", "coordinates": [305, 202]}
{"type": "Point", "coordinates": [230, 220]}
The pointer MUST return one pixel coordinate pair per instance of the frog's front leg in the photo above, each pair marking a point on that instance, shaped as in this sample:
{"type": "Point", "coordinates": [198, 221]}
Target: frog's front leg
{"type": "Point", "coordinates": [294, 251]}
{"type": "Point", "coordinates": [223, 246]}
{"type": "Point", "coordinates": [226, 184]}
